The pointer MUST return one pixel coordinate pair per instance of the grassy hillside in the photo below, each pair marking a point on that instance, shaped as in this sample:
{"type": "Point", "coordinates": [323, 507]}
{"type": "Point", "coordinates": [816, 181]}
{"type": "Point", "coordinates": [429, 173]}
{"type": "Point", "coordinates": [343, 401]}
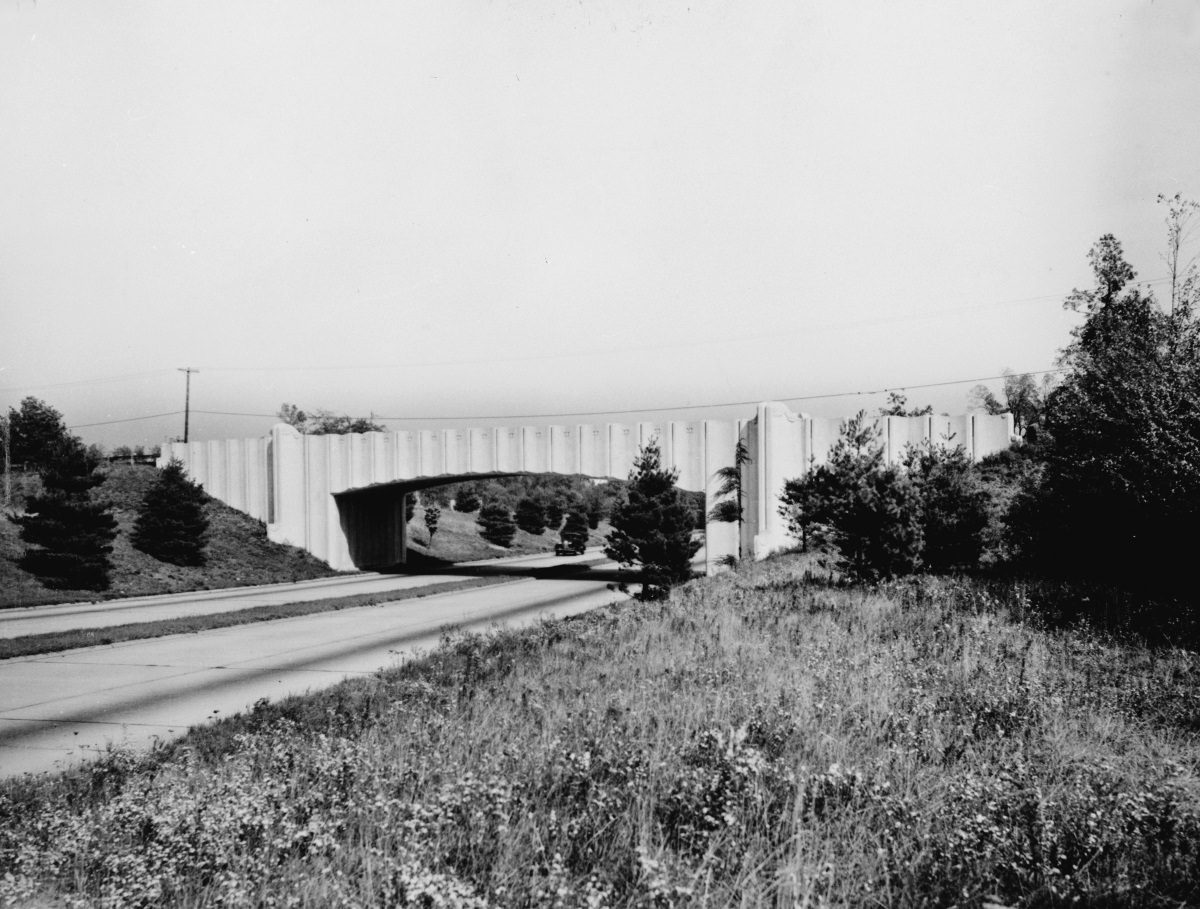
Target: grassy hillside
{"type": "Point", "coordinates": [457, 538]}
{"type": "Point", "coordinates": [752, 741]}
{"type": "Point", "coordinates": [239, 552]}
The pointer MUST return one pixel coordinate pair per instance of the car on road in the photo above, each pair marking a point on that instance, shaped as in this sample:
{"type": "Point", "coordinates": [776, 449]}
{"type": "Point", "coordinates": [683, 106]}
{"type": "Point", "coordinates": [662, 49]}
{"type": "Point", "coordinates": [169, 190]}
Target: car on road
{"type": "Point", "coordinates": [566, 547]}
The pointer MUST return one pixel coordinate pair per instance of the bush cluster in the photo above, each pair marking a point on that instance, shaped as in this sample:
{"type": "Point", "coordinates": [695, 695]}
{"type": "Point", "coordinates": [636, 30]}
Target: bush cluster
{"type": "Point", "coordinates": [877, 521]}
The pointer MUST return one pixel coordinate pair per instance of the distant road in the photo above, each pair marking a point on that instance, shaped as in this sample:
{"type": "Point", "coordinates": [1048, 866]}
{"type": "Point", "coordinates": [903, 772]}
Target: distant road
{"type": "Point", "coordinates": [15, 623]}
{"type": "Point", "coordinates": [58, 709]}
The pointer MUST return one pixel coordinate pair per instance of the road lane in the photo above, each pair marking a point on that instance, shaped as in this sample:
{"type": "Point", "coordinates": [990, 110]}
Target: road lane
{"type": "Point", "coordinates": [29, 620]}
{"type": "Point", "coordinates": [57, 709]}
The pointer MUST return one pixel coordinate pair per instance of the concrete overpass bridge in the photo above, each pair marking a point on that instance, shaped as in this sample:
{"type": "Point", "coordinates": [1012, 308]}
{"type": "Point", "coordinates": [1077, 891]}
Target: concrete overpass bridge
{"type": "Point", "coordinates": [342, 497]}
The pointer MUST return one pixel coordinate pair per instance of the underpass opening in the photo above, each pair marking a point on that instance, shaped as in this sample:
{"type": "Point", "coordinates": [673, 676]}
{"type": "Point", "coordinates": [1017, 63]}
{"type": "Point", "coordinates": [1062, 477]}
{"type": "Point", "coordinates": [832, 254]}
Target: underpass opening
{"type": "Point", "coordinates": [379, 539]}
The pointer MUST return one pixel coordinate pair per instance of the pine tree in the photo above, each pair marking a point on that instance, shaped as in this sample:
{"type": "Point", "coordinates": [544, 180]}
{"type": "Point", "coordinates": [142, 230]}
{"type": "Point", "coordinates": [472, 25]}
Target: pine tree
{"type": "Point", "coordinates": [466, 499]}
{"type": "Point", "coordinates": [653, 526]}
{"type": "Point", "coordinates": [171, 524]}
{"type": "Point", "coordinates": [69, 536]}
{"type": "Point", "coordinates": [496, 524]}
{"type": "Point", "coordinates": [531, 517]}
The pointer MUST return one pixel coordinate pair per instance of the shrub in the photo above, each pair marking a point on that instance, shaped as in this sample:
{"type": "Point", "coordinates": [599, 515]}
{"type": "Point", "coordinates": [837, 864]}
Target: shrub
{"type": "Point", "coordinates": [954, 506]}
{"type": "Point", "coordinates": [867, 516]}
{"type": "Point", "coordinates": [171, 524]}
{"type": "Point", "coordinates": [496, 524]}
{"type": "Point", "coordinates": [531, 517]}
{"type": "Point", "coordinates": [466, 499]}
{"type": "Point", "coordinates": [69, 535]}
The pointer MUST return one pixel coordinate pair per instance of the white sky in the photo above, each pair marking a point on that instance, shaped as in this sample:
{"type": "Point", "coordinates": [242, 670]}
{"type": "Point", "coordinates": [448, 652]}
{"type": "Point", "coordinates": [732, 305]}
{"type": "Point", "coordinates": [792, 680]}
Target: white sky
{"type": "Point", "coordinates": [464, 208]}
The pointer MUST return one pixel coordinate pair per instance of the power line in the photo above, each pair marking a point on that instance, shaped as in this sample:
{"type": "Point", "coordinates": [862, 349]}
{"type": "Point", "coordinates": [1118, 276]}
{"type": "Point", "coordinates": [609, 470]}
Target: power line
{"type": "Point", "coordinates": [152, 416]}
{"type": "Point", "coordinates": [77, 382]}
{"type": "Point", "coordinates": [594, 413]}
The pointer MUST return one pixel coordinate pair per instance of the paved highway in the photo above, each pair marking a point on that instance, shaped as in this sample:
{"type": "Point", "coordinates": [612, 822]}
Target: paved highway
{"type": "Point", "coordinates": [15, 623]}
{"type": "Point", "coordinates": [58, 709]}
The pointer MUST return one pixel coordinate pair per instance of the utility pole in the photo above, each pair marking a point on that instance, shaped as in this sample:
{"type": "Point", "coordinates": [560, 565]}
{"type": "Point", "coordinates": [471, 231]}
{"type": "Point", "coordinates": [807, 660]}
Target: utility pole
{"type": "Point", "coordinates": [187, 401]}
{"type": "Point", "coordinates": [7, 463]}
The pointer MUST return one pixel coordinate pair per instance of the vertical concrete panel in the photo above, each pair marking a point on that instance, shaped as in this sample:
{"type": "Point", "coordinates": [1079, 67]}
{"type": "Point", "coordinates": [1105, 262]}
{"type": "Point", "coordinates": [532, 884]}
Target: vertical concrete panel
{"type": "Point", "coordinates": [623, 444]}
{"type": "Point", "coordinates": [952, 432]}
{"type": "Point", "coordinates": [381, 457]}
{"type": "Point", "coordinates": [824, 432]}
{"type": "Point", "coordinates": [197, 459]}
{"type": "Point", "coordinates": [753, 486]}
{"type": "Point", "coordinates": [720, 539]}
{"type": "Point", "coordinates": [593, 450]}
{"type": "Point", "coordinates": [482, 444]}
{"type": "Point", "coordinates": [289, 460]}
{"type": "Point", "coordinates": [356, 461]}
{"type": "Point", "coordinates": [235, 474]}
{"type": "Point", "coordinates": [535, 449]}
{"type": "Point", "coordinates": [255, 467]}
{"type": "Point", "coordinates": [316, 490]}
{"type": "Point", "coordinates": [508, 449]}
{"type": "Point", "coordinates": [648, 432]}
{"type": "Point", "coordinates": [340, 458]}
{"type": "Point", "coordinates": [687, 453]}
{"type": "Point", "coordinates": [406, 451]}
{"type": "Point", "coordinates": [992, 432]}
{"type": "Point", "coordinates": [903, 432]}
{"type": "Point", "coordinates": [215, 455]}
{"type": "Point", "coordinates": [780, 458]}
{"type": "Point", "coordinates": [457, 446]}
{"type": "Point", "coordinates": [564, 449]}
{"type": "Point", "coordinates": [432, 460]}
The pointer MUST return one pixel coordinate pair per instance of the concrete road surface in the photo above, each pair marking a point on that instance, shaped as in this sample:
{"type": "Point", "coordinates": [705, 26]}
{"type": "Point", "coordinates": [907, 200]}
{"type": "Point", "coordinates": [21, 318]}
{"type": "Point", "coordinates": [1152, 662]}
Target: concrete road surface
{"type": "Point", "coordinates": [58, 709]}
{"type": "Point", "coordinates": [15, 623]}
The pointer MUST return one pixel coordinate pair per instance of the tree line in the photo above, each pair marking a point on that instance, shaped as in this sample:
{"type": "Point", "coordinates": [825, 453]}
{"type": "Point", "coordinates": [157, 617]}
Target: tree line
{"type": "Point", "coordinates": [1102, 486]}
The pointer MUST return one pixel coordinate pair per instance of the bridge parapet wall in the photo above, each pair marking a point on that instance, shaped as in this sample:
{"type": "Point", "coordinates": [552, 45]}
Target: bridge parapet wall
{"type": "Point", "coordinates": [323, 493]}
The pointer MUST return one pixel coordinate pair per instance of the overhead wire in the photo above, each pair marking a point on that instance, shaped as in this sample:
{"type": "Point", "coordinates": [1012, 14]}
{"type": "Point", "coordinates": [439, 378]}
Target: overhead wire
{"type": "Point", "coordinates": [593, 413]}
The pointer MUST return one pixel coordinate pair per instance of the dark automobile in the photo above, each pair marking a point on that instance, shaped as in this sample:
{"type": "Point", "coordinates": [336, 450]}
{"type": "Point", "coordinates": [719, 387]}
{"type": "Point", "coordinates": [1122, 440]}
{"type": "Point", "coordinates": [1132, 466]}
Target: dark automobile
{"type": "Point", "coordinates": [566, 547]}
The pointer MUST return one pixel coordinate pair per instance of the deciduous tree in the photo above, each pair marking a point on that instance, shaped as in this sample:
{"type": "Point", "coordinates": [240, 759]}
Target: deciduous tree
{"type": "Point", "coordinates": [36, 433]}
{"type": "Point", "coordinates": [1122, 470]}
{"type": "Point", "coordinates": [432, 515]}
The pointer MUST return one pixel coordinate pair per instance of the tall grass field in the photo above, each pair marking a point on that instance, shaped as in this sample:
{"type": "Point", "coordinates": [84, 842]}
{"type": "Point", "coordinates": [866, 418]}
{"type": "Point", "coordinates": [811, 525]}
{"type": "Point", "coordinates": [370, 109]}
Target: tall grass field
{"type": "Point", "coordinates": [754, 740]}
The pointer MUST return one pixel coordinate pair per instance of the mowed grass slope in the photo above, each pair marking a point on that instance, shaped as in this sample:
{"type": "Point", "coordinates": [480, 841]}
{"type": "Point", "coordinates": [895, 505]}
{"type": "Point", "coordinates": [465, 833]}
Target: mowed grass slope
{"type": "Point", "coordinates": [239, 553]}
{"type": "Point", "coordinates": [752, 741]}
{"type": "Point", "coordinates": [458, 540]}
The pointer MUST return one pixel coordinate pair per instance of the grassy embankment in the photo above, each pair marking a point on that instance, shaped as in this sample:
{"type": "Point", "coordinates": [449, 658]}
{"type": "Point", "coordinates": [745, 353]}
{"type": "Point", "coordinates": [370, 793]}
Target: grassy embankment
{"type": "Point", "coordinates": [752, 741]}
{"type": "Point", "coordinates": [239, 554]}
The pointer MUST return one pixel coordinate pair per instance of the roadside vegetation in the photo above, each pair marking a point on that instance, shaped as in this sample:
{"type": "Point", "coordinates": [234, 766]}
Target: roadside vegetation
{"type": "Point", "coordinates": [979, 686]}
{"type": "Point", "coordinates": [753, 739]}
